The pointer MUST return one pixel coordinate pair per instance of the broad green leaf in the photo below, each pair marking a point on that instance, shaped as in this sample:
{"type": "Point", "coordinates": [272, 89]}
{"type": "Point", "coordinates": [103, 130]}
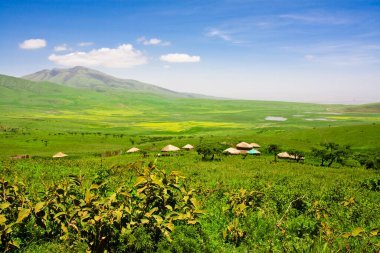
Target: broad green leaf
{"type": "Point", "coordinates": [157, 181]}
{"type": "Point", "coordinates": [113, 198]}
{"type": "Point", "coordinates": [23, 214]}
{"type": "Point", "coordinates": [192, 222]}
{"type": "Point", "coordinates": [148, 214]}
{"type": "Point", "coordinates": [141, 189]}
{"type": "Point", "coordinates": [170, 226]}
{"type": "Point", "coordinates": [169, 207]}
{"type": "Point", "coordinates": [158, 219]}
{"type": "Point", "coordinates": [375, 232]}
{"type": "Point", "coordinates": [15, 244]}
{"type": "Point", "coordinates": [4, 205]}
{"type": "Point", "coordinates": [119, 215]}
{"type": "Point", "coordinates": [357, 231]}
{"type": "Point", "coordinates": [195, 202]}
{"type": "Point", "coordinates": [144, 221]}
{"type": "Point", "coordinates": [88, 197]}
{"type": "Point", "coordinates": [3, 219]}
{"type": "Point", "coordinates": [94, 187]}
{"type": "Point", "coordinates": [59, 214]}
{"type": "Point", "coordinates": [39, 206]}
{"type": "Point", "coordinates": [140, 180]}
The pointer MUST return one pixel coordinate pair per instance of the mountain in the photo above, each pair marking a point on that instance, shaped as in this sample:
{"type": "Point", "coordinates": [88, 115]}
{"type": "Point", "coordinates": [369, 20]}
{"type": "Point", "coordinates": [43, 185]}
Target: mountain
{"type": "Point", "coordinates": [85, 78]}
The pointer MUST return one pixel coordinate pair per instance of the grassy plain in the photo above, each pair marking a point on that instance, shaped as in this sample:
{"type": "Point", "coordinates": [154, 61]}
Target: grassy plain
{"type": "Point", "coordinates": [304, 207]}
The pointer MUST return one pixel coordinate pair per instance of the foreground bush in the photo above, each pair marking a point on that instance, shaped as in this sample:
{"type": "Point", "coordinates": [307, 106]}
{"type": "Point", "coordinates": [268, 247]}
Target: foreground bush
{"type": "Point", "coordinates": [134, 219]}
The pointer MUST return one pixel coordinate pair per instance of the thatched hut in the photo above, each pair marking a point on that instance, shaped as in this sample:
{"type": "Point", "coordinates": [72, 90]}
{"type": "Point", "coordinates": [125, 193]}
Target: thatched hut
{"type": "Point", "coordinates": [283, 155]}
{"type": "Point", "coordinates": [232, 151]}
{"type": "Point", "coordinates": [133, 150]}
{"type": "Point", "coordinates": [169, 148]}
{"type": "Point", "coordinates": [188, 147]}
{"type": "Point", "coordinates": [253, 152]}
{"type": "Point", "coordinates": [59, 155]}
{"type": "Point", "coordinates": [255, 145]}
{"type": "Point", "coordinates": [244, 146]}
{"type": "Point", "coordinates": [17, 157]}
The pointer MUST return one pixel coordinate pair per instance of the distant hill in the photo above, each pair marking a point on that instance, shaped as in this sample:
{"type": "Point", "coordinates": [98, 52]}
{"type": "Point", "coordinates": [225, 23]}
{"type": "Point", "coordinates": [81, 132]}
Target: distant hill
{"type": "Point", "coordinates": [47, 105]}
{"type": "Point", "coordinates": [85, 78]}
{"type": "Point", "coordinates": [367, 108]}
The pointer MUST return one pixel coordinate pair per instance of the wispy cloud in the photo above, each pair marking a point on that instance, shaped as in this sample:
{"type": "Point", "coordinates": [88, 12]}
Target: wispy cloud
{"type": "Point", "coordinates": [61, 48]}
{"type": "Point", "coordinates": [316, 18]}
{"type": "Point", "coordinates": [124, 56]}
{"type": "Point", "coordinates": [221, 34]}
{"type": "Point", "coordinates": [85, 44]}
{"type": "Point", "coordinates": [180, 58]}
{"type": "Point", "coordinates": [33, 44]}
{"type": "Point", "coordinates": [339, 53]}
{"type": "Point", "coordinates": [153, 41]}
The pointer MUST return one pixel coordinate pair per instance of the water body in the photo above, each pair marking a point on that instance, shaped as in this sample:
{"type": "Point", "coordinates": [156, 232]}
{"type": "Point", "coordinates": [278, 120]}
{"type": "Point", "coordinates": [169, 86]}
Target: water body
{"type": "Point", "coordinates": [273, 118]}
{"type": "Point", "coordinates": [320, 119]}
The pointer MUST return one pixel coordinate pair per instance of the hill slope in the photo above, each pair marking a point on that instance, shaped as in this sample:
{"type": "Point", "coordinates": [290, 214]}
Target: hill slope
{"type": "Point", "coordinates": [50, 106]}
{"type": "Point", "coordinates": [81, 77]}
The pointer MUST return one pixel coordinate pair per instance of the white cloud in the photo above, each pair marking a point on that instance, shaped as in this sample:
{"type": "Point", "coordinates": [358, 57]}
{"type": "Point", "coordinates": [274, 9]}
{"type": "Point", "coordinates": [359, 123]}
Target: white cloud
{"type": "Point", "coordinates": [152, 41]}
{"type": "Point", "coordinates": [124, 56]}
{"type": "Point", "coordinates": [61, 48]}
{"type": "Point", "coordinates": [316, 18]}
{"type": "Point", "coordinates": [180, 58]}
{"type": "Point", "coordinates": [33, 44]}
{"type": "Point", "coordinates": [224, 35]}
{"type": "Point", "coordinates": [85, 44]}
{"type": "Point", "coordinates": [219, 34]}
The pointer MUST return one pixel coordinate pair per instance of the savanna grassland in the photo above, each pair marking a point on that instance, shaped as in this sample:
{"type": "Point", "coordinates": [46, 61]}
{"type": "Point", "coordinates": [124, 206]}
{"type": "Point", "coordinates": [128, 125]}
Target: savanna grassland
{"type": "Point", "coordinates": [101, 198]}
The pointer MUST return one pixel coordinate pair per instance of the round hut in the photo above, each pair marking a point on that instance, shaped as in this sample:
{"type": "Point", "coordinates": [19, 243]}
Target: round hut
{"type": "Point", "coordinates": [244, 146]}
{"type": "Point", "coordinates": [59, 155]}
{"type": "Point", "coordinates": [133, 150]}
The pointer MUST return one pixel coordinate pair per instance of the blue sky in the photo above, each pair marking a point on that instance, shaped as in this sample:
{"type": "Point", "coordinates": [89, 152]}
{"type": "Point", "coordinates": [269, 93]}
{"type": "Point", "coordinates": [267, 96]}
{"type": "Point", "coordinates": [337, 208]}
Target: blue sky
{"type": "Point", "coordinates": [314, 51]}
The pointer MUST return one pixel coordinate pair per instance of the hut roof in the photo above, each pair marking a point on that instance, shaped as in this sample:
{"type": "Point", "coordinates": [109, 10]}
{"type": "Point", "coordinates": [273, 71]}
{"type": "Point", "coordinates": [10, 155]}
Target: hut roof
{"type": "Point", "coordinates": [253, 152]}
{"type": "Point", "coordinates": [283, 155]}
{"type": "Point", "coordinates": [15, 157]}
{"type": "Point", "coordinates": [188, 146]}
{"type": "Point", "coordinates": [59, 155]}
{"type": "Point", "coordinates": [232, 151]}
{"type": "Point", "coordinates": [255, 145]}
{"type": "Point", "coordinates": [169, 148]}
{"type": "Point", "coordinates": [243, 145]}
{"type": "Point", "coordinates": [133, 150]}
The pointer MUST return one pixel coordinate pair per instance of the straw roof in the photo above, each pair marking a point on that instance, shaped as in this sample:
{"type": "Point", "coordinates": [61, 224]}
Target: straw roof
{"type": "Point", "coordinates": [188, 147]}
{"type": "Point", "coordinates": [244, 145]}
{"type": "Point", "coordinates": [16, 157]}
{"type": "Point", "coordinates": [255, 145]}
{"type": "Point", "coordinates": [283, 155]}
{"type": "Point", "coordinates": [232, 151]}
{"type": "Point", "coordinates": [169, 148]}
{"type": "Point", "coordinates": [133, 150]}
{"type": "Point", "coordinates": [253, 152]}
{"type": "Point", "coordinates": [59, 155]}
{"type": "Point", "coordinates": [296, 157]}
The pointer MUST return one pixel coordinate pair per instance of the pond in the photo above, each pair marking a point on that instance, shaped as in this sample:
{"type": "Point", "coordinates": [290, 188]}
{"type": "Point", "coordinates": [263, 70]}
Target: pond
{"type": "Point", "coordinates": [274, 118]}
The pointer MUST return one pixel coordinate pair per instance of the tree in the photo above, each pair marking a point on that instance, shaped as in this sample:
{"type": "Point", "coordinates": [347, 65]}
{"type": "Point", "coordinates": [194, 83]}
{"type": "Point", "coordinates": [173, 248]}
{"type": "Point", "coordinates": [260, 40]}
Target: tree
{"type": "Point", "coordinates": [209, 151]}
{"type": "Point", "coordinates": [274, 149]}
{"type": "Point", "coordinates": [297, 154]}
{"type": "Point", "coordinates": [332, 152]}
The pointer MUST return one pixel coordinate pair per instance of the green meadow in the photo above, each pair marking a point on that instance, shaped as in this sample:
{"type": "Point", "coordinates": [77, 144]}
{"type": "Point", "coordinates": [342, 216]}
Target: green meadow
{"type": "Point", "coordinates": [237, 203]}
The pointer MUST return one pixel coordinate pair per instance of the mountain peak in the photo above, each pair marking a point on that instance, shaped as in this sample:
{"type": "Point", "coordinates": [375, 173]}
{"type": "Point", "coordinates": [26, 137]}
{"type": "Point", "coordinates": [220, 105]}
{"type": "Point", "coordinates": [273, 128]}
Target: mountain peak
{"type": "Point", "coordinates": [86, 78]}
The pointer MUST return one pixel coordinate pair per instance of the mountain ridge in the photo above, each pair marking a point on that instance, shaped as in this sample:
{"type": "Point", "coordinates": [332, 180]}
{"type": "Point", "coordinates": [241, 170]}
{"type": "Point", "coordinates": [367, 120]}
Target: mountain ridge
{"type": "Point", "coordinates": [86, 78]}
